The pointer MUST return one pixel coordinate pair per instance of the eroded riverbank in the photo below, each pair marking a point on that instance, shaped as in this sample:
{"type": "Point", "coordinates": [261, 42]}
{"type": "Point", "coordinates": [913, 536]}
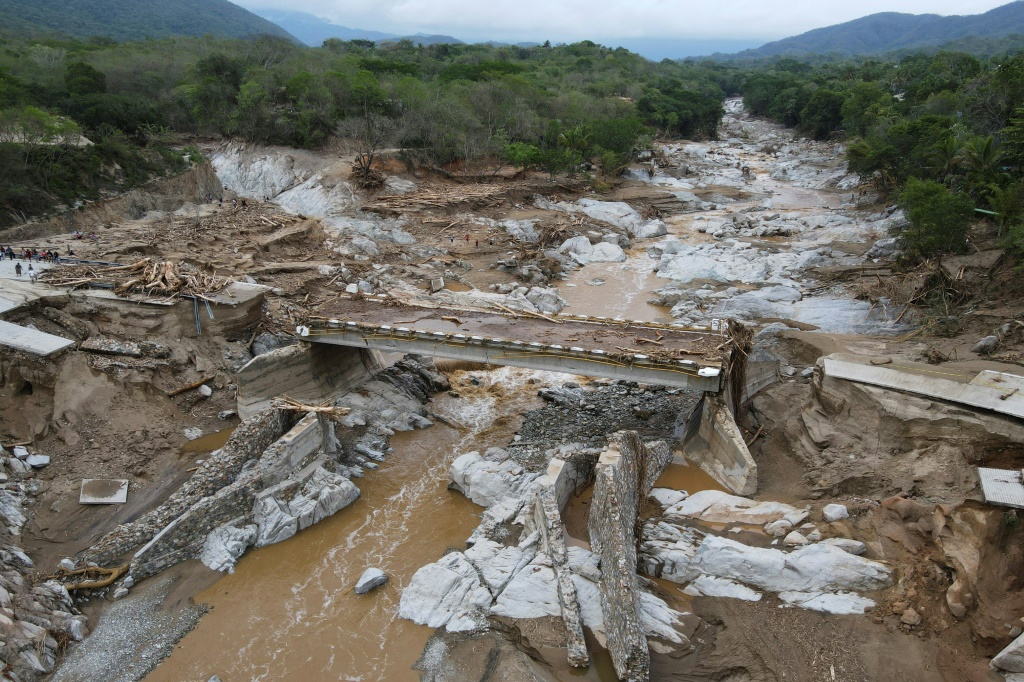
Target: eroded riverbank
{"type": "Point", "coordinates": [289, 611]}
{"type": "Point", "coordinates": [751, 227]}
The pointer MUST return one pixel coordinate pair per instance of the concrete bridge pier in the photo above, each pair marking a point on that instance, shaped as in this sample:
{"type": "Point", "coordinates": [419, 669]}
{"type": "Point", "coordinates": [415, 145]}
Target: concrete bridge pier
{"type": "Point", "coordinates": [714, 441]}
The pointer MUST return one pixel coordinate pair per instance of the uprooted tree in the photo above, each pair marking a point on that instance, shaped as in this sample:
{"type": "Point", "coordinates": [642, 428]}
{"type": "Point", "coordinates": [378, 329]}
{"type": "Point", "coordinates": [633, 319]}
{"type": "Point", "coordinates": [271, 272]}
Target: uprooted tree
{"type": "Point", "coordinates": [370, 134]}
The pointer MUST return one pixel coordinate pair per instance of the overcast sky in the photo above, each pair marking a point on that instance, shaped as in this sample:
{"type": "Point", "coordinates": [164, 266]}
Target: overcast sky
{"type": "Point", "coordinates": [568, 20]}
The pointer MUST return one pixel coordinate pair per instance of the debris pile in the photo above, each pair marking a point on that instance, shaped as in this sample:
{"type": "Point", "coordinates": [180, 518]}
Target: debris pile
{"type": "Point", "coordinates": [162, 278]}
{"type": "Point", "coordinates": [480, 194]}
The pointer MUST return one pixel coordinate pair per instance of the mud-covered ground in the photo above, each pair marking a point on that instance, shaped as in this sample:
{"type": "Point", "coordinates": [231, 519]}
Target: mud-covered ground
{"type": "Point", "coordinates": [759, 226]}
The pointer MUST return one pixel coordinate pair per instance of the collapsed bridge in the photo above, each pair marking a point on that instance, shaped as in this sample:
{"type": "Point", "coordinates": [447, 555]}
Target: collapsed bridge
{"type": "Point", "coordinates": [646, 352]}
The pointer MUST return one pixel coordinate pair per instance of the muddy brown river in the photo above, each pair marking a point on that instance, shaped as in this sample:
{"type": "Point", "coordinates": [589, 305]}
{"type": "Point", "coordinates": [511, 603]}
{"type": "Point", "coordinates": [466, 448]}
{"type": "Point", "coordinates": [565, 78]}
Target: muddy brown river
{"type": "Point", "coordinates": [289, 610]}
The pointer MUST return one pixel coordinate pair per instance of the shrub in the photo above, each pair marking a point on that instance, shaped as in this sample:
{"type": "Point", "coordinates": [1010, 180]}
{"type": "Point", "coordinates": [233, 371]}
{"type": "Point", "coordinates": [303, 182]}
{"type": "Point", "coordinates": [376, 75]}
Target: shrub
{"type": "Point", "coordinates": [938, 218]}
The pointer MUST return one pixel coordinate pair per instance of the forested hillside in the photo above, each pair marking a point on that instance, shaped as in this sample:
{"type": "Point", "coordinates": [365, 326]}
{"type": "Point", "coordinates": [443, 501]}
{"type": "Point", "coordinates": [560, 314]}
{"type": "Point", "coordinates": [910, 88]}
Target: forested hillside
{"type": "Point", "coordinates": [943, 133]}
{"type": "Point", "coordinates": [134, 19]}
{"type": "Point", "coordinates": [889, 31]}
{"type": "Point", "coordinates": [473, 104]}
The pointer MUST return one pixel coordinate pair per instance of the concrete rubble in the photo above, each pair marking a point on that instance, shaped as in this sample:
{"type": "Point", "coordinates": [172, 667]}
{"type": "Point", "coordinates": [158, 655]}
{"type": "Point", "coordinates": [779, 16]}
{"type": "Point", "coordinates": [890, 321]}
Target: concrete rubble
{"type": "Point", "coordinates": [881, 524]}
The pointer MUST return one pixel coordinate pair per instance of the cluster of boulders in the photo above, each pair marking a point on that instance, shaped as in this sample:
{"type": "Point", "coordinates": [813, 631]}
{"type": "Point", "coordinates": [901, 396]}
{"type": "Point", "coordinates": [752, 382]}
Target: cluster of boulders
{"type": "Point", "coordinates": [813, 572]}
{"type": "Point", "coordinates": [37, 619]}
{"type": "Point", "coordinates": [21, 463]}
{"type": "Point", "coordinates": [586, 414]}
{"type": "Point", "coordinates": [508, 574]}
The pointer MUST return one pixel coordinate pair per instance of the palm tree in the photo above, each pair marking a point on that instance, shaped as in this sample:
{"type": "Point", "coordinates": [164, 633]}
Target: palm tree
{"type": "Point", "coordinates": [944, 159]}
{"type": "Point", "coordinates": [575, 141]}
{"type": "Point", "coordinates": [982, 158]}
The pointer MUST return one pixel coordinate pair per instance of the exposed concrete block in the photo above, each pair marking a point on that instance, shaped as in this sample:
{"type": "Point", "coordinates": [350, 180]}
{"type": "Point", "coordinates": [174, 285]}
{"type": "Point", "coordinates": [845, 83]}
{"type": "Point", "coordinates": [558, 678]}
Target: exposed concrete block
{"type": "Point", "coordinates": [719, 449]}
{"type": "Point", "coordinates": [761, 371]}
{"type": "Point", "coordinates": [624, 476]}
{"type": "Point", "coordinates": [311, 373]}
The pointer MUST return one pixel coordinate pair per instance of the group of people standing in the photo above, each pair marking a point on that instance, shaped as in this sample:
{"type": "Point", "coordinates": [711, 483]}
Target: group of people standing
{"type": "Point", "coordinates": [29, 255]}
{"type": "Point", "coordinates": [46, 256]}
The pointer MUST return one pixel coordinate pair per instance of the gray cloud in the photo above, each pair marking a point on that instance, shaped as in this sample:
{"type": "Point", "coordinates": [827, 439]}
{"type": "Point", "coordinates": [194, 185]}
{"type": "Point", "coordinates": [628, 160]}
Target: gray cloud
{"type": "Point", "coordinates": [564, 20]}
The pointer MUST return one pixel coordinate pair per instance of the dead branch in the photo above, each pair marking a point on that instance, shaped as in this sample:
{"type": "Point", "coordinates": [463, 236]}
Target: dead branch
{"type": "Point", "coordinates": [189, 387]}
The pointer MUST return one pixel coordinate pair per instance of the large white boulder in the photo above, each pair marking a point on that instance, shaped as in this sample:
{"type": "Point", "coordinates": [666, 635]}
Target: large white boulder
{"type": "Point", "coordinates": [487, 482]}
{"type": "Point", "coordinates": [813, 568]}
{"type": "Point", "coordinates": [371, 579]}
{"type": "Point", "coordinates": [225, 544]}
{"type": "Point", "coordinates": [274, 520]}
{"type": "Point", "coordinates": [606, 253]}
{"type": "Point", "coordinates": [1011, 659]}
{"type": "Point", "coordinates": [447, 593]}
{"type": "Point", "coordinates": [715, 506]}
{"type": "Point", "coordinates": [323, 495]}
{"type": "Point", "coordinates": [835, 512]}
{"type": "Point", "coordinates": [532, 593]}
{"type": "Point", "coordinates": [320, 196]}
{"type": "Point", "coordinates": [650, 229]}
{"type": "Point", "coordinates": [497, 564]}
{"type": "Point", "coordinates": [616, 213]}
{"type": "Point", "coordinates": [546, 300]}
{"type": "Point", "coordinates": [583, 252]}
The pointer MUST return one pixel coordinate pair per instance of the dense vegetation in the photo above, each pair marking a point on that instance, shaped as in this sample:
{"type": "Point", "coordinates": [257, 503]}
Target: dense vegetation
{"type": "Point", "coordinates": [944, 130]}
{"type": "Point", "coordinates": [449, 106]}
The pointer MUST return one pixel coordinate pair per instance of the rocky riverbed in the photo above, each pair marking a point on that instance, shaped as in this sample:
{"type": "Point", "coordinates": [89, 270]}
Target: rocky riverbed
{"type": "Point", "coordinates": [865, 553]}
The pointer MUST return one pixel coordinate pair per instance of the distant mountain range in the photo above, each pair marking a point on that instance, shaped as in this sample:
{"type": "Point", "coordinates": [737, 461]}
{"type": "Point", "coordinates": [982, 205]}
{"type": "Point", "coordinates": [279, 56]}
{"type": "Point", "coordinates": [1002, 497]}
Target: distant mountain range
{"type": "Point", "coordinates": [134, 19]}
{"type": "Point", "coordinates": [893, 31]}
{"type": "Point", "coordinates": [313, 30]}
{"type": "Point", "coordinates": [993, 32]}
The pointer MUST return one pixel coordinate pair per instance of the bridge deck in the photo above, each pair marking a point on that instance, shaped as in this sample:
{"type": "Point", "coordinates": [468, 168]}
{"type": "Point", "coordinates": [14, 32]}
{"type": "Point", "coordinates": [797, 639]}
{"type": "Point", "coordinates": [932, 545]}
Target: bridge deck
{"type": "Point", "coordinates": [641, 351]}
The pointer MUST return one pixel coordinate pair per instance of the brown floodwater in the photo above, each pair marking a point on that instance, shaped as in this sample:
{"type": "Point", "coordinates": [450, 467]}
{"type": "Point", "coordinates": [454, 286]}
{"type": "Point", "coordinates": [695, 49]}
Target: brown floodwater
{"type": "Point", "coordinates": [208, 443]}
{"type": "Point", "coordinates": [679, 475]}
{"type": "Point", "coordinates": [624, 294]}
{"type": "Point", "coordinates": [288, 612]}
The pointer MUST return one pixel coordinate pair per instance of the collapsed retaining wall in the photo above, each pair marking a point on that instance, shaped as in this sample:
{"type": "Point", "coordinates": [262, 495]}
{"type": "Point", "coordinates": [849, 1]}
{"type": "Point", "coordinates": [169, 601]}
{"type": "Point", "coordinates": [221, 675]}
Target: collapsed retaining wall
{"type": "Point", "coordinates": [306, 372]}
{"type": "Point", "coordinates": [275, 476]}
{"type": "Point", "coordinates": [624, 476]}
{"type": "Point", "coordinates": [184, 537]}
{"type": "Point", "coordinates": [563, 478]}
{"type": "Point", "coordinates": [249, 441]}
{"type": "Point", "coordinates": [716, 445]}
{"type": "Point", "coordinates": [760, 371]}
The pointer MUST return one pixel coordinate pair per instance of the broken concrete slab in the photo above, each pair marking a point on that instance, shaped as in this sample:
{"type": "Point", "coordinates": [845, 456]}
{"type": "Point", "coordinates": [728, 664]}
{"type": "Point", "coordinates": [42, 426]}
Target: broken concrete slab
{"type": "Point", "coordinates": [1002, 486]}
{"type": "Point", "coordinates": [112, 347]}
{"type": "Point", "coordinates": [31, 340]}
{"type": "Point", "coordinates": [103, 491]}
{"type": "Point", "coordinates": [980, 390]}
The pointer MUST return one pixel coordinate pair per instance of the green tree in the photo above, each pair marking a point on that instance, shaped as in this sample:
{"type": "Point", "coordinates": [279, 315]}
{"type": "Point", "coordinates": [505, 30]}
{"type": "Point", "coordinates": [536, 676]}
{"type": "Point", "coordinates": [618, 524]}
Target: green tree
{"type": "Point", "coordinates": [981, 157]}
{"type": "Point", "coordinates": [823, 113]}
{"type": "Point", "coordinates": [521, 154]}
{"type": "Point", "coordinates": [82, 79]}
{"type": "Point", "coordinates": [1008, 204]}
{"type": "Point", "coordinates": [864, 105]}
{"type": "Point", "coordinates": [253, 118]}
{"type": "Point", "coordinates": [938, 218]}
{"type": "Point", "coordinates": [944, 159]}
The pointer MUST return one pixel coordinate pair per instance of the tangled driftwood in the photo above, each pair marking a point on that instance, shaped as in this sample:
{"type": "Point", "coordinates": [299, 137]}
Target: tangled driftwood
{"type": "Point", "coordinates": [441, 197]}
{"type": "Point", "coordinates": [95, 577]}
{"type": "Point", "coordinates": [326, 409]}
{"type": "Point", "coordinates": [148, 276]}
